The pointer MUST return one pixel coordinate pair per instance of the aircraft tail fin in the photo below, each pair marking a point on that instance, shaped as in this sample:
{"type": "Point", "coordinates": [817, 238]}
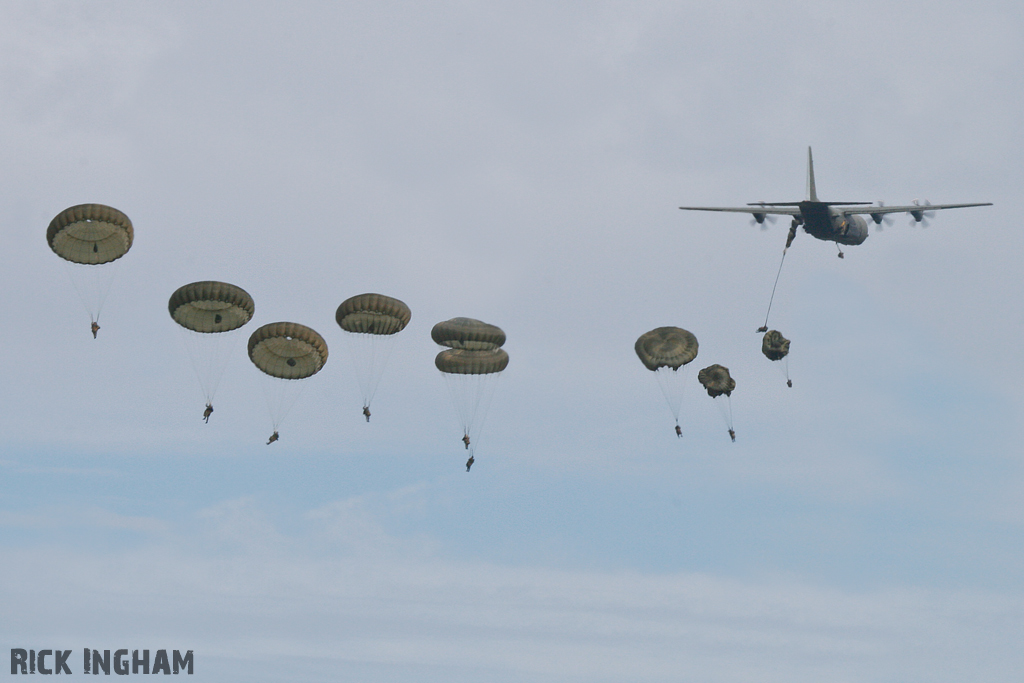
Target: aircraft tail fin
{"type": "Point", "coordinates": [812, 194]}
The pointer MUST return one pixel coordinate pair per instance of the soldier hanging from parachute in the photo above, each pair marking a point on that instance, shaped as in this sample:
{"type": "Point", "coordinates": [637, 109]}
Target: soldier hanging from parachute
{"type": "Point", "coordinates": [210, 315]}
{"type": "Point", "coordinates": [370, 322]}
{"type": "Point", "coordinates": [664, 351]}
{"type": "Point", "coordinates": [471, 365]}
{"type": "Point", "coordinates": [775, 347]}
{"type": "Point", "coordinates": [286, 353]}
{"type": "Point", "coordinates": [87, 236]}
{"type": "Point", "coordinates": [716, 379]}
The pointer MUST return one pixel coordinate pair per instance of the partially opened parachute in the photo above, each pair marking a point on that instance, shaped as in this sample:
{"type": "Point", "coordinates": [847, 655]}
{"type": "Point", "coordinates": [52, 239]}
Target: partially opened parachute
{"type": "Point", "coordinates": [774, 346]}
{"type": "Point", "coordinates": [467, 333]}
{"type": "Point", "coordinates": [86, 236]}
{"type": "Point", "coordinates": [210, 314]}
{"type": "Point", "coordinates": [370, 322]}
{"type": "Point", "coordinates": [716, 380]}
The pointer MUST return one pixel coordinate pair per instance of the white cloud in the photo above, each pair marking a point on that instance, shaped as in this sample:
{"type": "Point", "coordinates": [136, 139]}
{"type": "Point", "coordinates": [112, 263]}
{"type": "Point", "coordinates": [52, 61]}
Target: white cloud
{"type": "Point", "coordinates": [253, 605]}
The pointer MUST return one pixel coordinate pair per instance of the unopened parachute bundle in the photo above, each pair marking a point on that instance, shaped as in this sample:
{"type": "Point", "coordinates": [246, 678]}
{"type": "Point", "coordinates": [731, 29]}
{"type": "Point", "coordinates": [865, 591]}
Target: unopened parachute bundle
{"type": "Point", "coordinates": [664, 350]}
{"type": "Point", "coordinates": [718, 382]}
{"type": "Point", "coordinates": [210, 315]}
{"type": "Point", "coordinates": [86, 236]}
{"type": "Point", "coordinates": [370, 323]}
{"type": "Point", "coordinates": [286, 351]}
{"type": "Point", "coordinates": [470, 365]}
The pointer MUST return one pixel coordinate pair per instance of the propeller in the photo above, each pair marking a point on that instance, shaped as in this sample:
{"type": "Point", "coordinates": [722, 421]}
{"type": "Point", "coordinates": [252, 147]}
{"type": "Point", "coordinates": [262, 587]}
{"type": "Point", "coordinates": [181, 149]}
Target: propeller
{"type": "Point", "coordinates": [881, 220]}
{"type": "Point", "coordinates": [761, 218]}
{"type": "Point", "coordinates": [921, 216]}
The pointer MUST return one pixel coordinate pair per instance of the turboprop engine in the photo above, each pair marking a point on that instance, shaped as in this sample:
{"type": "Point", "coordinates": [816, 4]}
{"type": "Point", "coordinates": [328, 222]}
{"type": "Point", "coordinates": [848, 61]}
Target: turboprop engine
{"type": "Point", "coordinates": [852, 230]}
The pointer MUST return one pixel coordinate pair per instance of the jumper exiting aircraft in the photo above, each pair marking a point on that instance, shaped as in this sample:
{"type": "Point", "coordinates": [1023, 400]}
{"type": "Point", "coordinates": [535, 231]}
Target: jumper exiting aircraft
{"type": "Point", "coordinates": [838, 222]}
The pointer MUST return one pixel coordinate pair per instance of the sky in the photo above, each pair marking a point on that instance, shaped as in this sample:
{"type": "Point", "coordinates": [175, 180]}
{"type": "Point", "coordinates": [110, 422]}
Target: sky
{"type": "Point", "coordinates": [520, 163]}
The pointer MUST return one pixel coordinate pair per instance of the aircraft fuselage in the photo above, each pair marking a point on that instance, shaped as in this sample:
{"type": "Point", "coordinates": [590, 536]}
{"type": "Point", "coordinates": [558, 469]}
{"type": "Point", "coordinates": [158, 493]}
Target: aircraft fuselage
{"type": "Point", "coordinates": [825, 223]}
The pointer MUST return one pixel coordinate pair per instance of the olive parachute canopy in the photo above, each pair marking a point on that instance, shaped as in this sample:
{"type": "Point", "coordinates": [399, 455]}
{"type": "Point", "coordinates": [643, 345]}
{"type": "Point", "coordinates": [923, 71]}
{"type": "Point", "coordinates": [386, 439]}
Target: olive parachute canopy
{"type": "Point", "coordinates": [467, 333]}
{"type": "Point", "coordinates": [471, 370]}
{"type": "Point", "coordinates": [373, 314]}
{"type": "Point", "coordinates": [716, 380]}
{"type": "Point", "coordinates": [463, 362]}
{"type": "Point", "coordinates": [774, 346]}
{"type": "Point", "coordinates": [210, 306]}
{"type": "Point", "coordinates": [287, 350]}
{"type": "Point", "coordinates": [90, 234]}
{"type": "Point", "coordinates": [666, 347]}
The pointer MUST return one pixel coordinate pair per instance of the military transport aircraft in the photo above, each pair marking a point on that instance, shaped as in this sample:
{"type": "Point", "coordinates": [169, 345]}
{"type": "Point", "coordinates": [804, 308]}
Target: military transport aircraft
{"type": "Point", "coordinates": [838, 222]}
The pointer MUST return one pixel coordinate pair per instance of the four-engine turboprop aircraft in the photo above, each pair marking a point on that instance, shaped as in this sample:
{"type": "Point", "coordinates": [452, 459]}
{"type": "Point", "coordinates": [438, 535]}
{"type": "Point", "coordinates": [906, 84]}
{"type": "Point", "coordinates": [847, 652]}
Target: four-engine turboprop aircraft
{"type": "Point", "coordinates": [839, 222]}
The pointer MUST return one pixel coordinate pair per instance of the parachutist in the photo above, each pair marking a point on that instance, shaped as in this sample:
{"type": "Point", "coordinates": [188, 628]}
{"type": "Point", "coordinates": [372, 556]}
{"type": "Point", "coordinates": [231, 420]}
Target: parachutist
{"type": "Point", "coordinates": [679, 431]}
{"type": "Point", "coordinates": [792, 234]}
{"type": "Point", "coordinates": [465, 440]}
{"type": "Point", "coordinates": [732, 435]}
{"type": "Point", "coordinates": [95, 328]}
{"type": "Point", "coordinates": [273, 437]}
{"type": "Point", "coordinates": [366, 413]}
{"type": "Point", "coordinates": [469, 463]}
{"type": "Point", "coordinates": [789, 383]}
{"type": "Point", "coordinates": [207, 413]}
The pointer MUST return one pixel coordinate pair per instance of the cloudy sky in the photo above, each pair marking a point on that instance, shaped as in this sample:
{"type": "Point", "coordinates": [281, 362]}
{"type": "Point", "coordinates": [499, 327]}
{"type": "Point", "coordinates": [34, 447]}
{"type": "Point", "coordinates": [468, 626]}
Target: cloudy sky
{"type": "Point", "coordinates": [520, 163]}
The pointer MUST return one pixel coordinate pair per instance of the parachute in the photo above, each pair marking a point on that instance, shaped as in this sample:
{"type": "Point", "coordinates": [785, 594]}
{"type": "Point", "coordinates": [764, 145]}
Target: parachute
{"type": "Point", "coordinates": [664, 351]}
{"type": "Point", "coordinates": [86, 236]}
{"type": "Point", "coordinates": [471, 367]}
{"type": "Point", "coordinates": [210, 314]}
{"type": "Point", "coordinates": [463, 362]}
{"type": "Point", "coordinates": [467, 333]}
{"type": "Point", "coordinates": [286, 352]}
{"type": "Point", "coordinates": [775, 347]}
{"type": "Point", "coordinates": [716, 379]}
{"type": "Point", "coordinates": [370, 322]}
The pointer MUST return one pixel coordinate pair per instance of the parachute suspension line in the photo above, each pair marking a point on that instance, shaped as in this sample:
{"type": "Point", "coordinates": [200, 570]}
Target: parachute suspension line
{"type": "Point", "coordinates": [471, 396]}
{"type": "Point", "coordinates": [764, 328]}
{"type": "Point", "coordinates": [281, 395]}
{"type": "Point", "coordinates": [672, 388]}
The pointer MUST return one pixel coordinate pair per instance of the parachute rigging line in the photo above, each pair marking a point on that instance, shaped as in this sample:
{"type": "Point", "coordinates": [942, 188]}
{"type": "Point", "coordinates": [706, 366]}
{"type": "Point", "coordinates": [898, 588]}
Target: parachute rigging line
{"type": "Point", "coordinates": [764, 328]}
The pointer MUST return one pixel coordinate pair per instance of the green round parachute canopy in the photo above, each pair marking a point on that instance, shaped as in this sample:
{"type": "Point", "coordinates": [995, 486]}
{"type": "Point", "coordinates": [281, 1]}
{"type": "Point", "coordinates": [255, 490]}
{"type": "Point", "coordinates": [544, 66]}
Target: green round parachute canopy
{"type": "Point", "coordinates": [774, 346]}
{"type": "Point", "coordinates": [666, 347]}
{"type": "Point", "coordinates": [465, 362]}
{"type": "Point", "coordinates": [210, 306]}
{"type": "Point", "coordinates": [90, 234]}
{"type": "Point", "coordinates": [468, 334]}
{"type": "Point", "coordinates": [716, 380]}
{"type": "Point", "coordinates": [287, 350]}
{"type": "Point", "coordinates": [373, 314]}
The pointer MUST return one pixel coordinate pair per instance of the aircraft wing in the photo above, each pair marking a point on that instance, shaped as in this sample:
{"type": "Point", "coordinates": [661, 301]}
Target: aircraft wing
{"type": "Point", "coordinates": [766, 210]}
{"type": "Point", "coordinates": [879, 210]}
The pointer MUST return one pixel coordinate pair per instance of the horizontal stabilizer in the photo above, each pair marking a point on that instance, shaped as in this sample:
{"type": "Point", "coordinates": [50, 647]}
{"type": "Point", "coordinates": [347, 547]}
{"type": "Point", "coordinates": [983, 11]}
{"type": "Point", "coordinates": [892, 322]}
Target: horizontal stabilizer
{"type": "Point", "coordinates": [799, 203]}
